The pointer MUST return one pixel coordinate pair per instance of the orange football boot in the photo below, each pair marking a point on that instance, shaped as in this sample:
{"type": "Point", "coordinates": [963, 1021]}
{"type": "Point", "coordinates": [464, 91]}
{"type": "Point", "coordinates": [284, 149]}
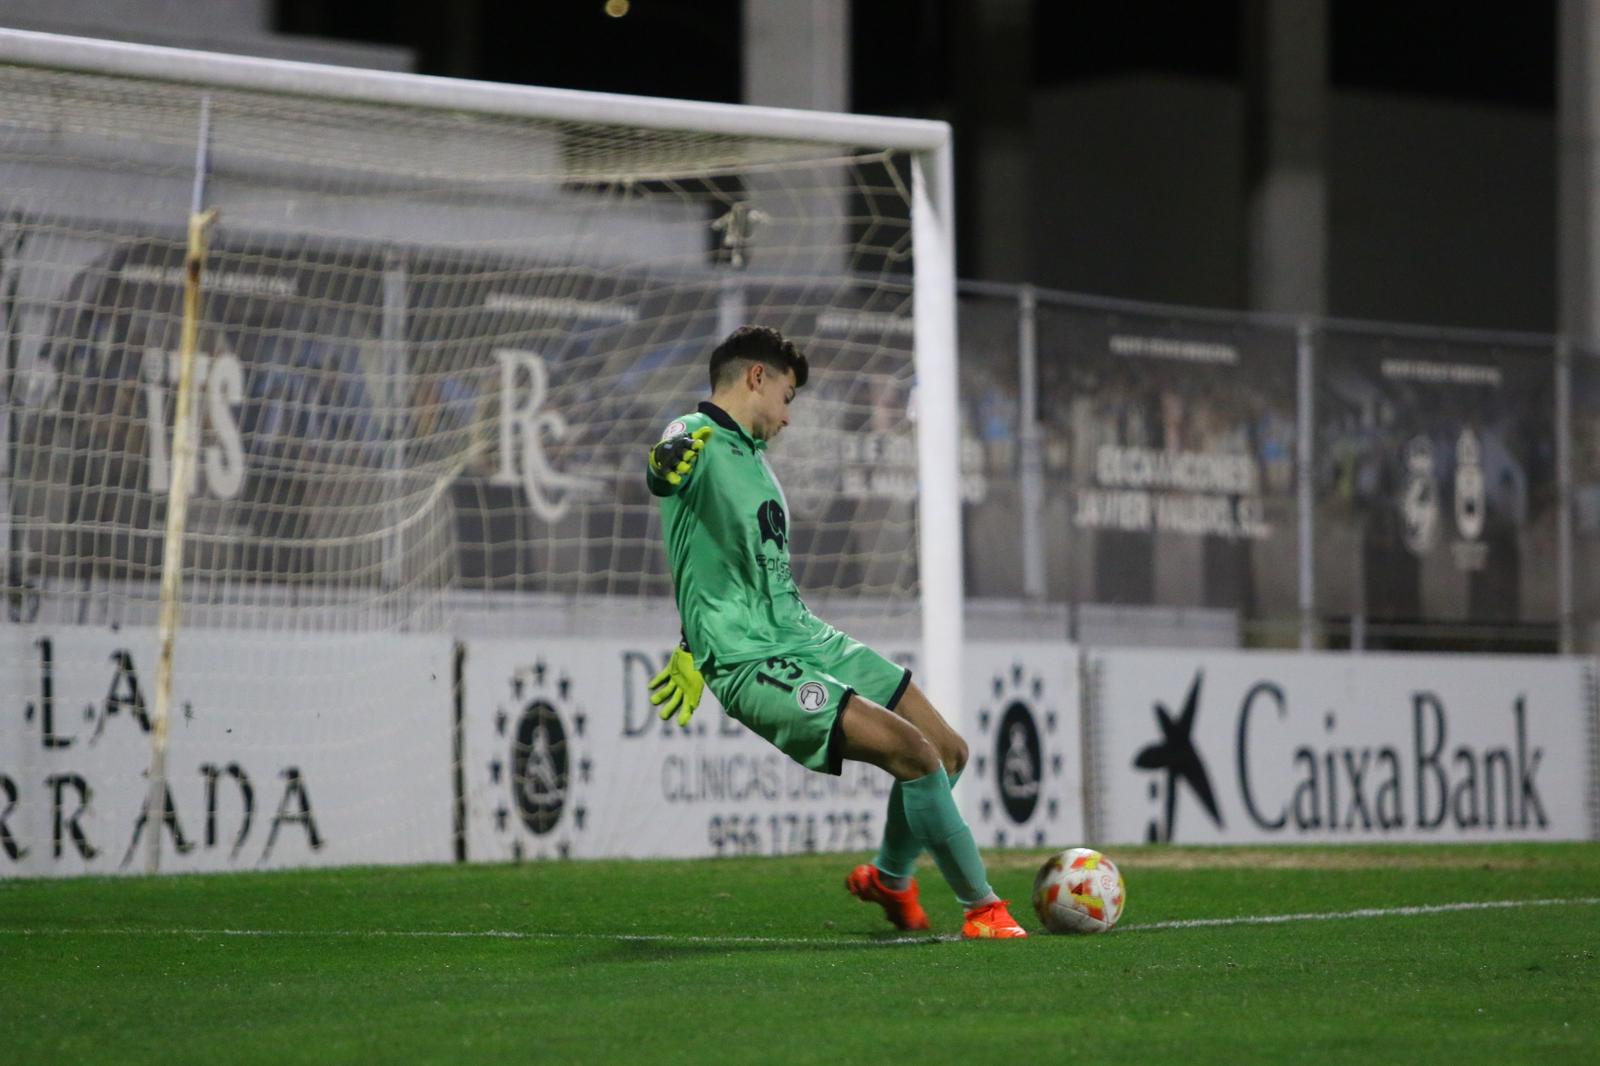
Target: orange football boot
{"type": "Point", "coordinates": [900, 906]}
{"type": "Point", "coordinates": [992, 920]}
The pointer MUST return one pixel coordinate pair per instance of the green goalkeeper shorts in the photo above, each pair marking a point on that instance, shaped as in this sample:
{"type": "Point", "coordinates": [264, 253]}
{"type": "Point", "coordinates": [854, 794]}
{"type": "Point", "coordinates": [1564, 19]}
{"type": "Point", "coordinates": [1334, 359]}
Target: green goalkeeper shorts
{"type": "Point", "coordinates": [794, 699]}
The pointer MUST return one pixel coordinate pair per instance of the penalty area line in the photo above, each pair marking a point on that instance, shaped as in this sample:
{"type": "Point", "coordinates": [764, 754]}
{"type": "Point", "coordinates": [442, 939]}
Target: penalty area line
{"type": "Point", "coordinates": [798, 941]}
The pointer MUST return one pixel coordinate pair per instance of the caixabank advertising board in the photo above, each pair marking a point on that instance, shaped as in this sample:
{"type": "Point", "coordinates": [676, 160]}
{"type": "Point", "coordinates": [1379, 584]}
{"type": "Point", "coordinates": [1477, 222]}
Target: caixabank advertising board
{"type": "Point", "coordinates": [1193, 747]}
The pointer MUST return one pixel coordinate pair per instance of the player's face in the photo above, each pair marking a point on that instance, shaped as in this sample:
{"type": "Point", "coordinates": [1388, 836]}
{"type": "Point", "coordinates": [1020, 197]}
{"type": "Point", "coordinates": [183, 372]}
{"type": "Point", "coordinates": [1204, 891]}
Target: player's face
{"type": "Point", "coordinates": [774, 394]}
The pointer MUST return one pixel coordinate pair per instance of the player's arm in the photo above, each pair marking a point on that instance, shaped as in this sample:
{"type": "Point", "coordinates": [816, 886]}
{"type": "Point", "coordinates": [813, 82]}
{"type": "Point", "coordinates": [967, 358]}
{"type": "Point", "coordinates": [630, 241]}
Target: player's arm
{"type": "Point", "coordinates": [678, 687]}
{"type": "Point", "coordinates": [672, 461]}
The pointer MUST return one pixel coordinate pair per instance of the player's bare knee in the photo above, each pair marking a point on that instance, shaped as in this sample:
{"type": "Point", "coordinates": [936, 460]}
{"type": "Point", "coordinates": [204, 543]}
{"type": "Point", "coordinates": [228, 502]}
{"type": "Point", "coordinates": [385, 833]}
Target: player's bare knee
{"type": "Point", "coordinates": [917, 758]}
{"type": "Point", "coordinates": [955, 756]}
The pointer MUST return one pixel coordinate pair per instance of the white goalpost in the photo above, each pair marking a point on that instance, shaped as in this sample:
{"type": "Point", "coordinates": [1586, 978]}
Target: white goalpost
{"type": "Point", "coordinates": [401, 398]}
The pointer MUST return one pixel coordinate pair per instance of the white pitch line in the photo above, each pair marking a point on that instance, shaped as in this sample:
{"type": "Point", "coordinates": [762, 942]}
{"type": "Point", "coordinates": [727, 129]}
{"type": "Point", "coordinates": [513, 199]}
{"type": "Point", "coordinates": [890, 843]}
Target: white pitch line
{"type": "Point", "coordinates": [1365, 912]}
{"type": "Point", "coordinates": [900, 941]}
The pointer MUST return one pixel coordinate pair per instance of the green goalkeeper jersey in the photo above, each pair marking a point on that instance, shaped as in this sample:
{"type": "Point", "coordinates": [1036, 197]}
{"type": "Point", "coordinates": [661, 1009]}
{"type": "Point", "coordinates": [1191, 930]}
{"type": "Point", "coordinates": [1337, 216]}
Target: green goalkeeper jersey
{"type": "Point", "coordinates": [727, 532]}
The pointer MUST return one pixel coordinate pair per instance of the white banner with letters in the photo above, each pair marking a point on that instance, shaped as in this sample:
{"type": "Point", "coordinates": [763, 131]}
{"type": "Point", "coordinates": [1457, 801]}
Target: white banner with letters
{"type": "Point", "coordinates": [565, 757]}
{"type": "Point", "coordinates": [284, 750]}
{"type": "Point", "coordinates": [1197, 747]}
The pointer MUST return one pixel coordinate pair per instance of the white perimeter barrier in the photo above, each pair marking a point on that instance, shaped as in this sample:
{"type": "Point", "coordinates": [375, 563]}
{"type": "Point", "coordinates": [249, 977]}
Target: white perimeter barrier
{"type": "Point", "coordinates": [564, 756]}
{"type": "Point", "coordinates": [348, 754]}
{"type": "Point", "coordinates": [1196, 747]}
{"type": "Point", "coordinates": [338, 755]}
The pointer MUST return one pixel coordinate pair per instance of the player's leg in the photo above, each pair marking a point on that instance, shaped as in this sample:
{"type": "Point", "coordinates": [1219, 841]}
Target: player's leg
{"type": "Point", "coordinates": [889, 684]}
{"type": "Point", "coordinates": [917, 807]}
{"type": "Point", "coordinates": [896, 861]}
{"type": "Point", "coordinates": [915, 708]}
{"type": "Point", "coordinates": [797, 705]}
{"type": "Point", "coordinates": [871, 733]}
{"type": "Point", "coordinates": [887, 880]}
{"type": "Point", "coordinates": [802, 708]}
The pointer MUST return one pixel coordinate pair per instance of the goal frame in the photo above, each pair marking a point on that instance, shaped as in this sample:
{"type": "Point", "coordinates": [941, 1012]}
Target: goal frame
{"type": "Point", "coordinates": [927, 142]}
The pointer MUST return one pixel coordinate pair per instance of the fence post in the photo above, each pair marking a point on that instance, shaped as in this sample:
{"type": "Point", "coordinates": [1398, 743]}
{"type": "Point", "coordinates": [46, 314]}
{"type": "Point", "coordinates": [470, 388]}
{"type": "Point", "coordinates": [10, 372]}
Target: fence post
{"type": "Point", "coordinates": [1305, 358]}
{"type": "Point", "coordinates": [395, 386]}
{"type": "Point", "coordinates": [1564, 570]}
{"type": "Point", "coordinates": [1030, 460]}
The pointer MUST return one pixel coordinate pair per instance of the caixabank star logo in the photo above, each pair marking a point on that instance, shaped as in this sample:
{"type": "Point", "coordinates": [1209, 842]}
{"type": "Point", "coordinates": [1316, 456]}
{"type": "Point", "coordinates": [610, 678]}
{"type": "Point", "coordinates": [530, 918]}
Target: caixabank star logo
{"type": "Point", "coordinates": [541, 766]}
{"type": "Point", "coordinates": [1177, 761]}
{"type": "Point", "coordinates": [1018, 758]}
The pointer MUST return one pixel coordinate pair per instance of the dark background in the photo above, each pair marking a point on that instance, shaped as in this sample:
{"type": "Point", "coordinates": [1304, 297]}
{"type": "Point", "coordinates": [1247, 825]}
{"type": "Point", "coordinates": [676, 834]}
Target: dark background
{"type": "Point", "coordinates": [1439, 141]}
{"type": "Point", "coordinates": [1503, 54]}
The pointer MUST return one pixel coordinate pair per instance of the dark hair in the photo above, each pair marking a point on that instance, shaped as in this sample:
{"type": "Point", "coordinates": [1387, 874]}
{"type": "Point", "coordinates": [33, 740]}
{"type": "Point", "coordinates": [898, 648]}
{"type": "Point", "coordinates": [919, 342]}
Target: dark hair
{"type": "Point", "coordinates": [757, 344]}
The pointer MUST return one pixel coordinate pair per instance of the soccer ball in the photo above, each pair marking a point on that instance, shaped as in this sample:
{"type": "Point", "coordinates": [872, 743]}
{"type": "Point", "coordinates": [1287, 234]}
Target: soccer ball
{"type": "Point", "coordinates": [1079, 891]}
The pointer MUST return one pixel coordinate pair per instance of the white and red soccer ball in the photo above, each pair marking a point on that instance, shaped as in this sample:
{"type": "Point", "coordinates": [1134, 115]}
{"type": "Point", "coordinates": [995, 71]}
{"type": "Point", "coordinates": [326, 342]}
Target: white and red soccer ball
{"type": "Point", "coordinates": [1079, 891]}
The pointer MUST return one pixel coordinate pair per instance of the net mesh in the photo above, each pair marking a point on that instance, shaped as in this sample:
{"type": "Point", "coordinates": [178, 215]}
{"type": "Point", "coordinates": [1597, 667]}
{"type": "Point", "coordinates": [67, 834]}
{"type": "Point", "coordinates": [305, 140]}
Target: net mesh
{"type": "Point", "coordinates": [434, 345]}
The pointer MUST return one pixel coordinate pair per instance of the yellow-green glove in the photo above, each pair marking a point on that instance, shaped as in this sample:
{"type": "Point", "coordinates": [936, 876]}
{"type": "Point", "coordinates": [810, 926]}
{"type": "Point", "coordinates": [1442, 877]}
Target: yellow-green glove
{"type": "Point", "coordinates": [678, 687]}
{"type": "Point", "coordinates": [673, 459]}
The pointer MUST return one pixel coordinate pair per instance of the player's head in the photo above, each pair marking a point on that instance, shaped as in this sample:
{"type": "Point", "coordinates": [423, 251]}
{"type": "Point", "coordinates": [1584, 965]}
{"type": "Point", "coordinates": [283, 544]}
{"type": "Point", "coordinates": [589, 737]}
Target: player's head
{"type": "Point", "coordinates": [755, 374]}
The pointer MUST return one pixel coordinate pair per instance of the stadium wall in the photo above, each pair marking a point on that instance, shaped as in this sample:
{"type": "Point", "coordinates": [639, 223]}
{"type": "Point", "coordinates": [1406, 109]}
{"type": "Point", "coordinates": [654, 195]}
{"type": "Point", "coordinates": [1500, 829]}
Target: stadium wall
{"type": "Point", "coordinates": [496, 749]}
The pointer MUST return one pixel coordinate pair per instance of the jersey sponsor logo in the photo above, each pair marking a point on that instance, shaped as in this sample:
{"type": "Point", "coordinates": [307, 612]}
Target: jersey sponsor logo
{"type": "Point", "coordinates": [676, 429]}
{"type": "Point", "coordinates": [811, 696]}
{"type": "Point", "coordinates": [774, 525]}
{"type": "Point", "coordinates": [774, 565]}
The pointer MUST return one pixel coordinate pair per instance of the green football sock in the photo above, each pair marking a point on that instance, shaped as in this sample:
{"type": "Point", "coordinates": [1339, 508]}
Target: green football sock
{"type": "Point", "coordinates": [899, 850]}
{"type": "Point", "coordinates": [931, 812]}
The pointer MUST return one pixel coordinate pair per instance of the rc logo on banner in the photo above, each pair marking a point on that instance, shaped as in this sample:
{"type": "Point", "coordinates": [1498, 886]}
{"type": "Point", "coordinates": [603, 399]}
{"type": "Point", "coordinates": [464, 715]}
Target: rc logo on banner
{"type": "Point", "coordinates": [540, 767]}
{"type": "Point", "coordinates": [1020, 758]}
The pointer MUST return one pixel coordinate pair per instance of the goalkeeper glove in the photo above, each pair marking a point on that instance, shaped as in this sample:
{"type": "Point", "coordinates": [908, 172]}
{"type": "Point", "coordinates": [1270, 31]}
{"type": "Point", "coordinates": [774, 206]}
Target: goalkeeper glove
{"type": "Point", "coordinates": [673, 459]}
{"type": "Point", "coordinates": [678, 687]}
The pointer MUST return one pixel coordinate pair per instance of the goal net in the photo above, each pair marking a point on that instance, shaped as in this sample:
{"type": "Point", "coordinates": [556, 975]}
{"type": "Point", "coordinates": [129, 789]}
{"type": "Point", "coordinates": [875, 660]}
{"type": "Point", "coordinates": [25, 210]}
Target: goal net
{"type": "Point", "coordinates": [438, 327]}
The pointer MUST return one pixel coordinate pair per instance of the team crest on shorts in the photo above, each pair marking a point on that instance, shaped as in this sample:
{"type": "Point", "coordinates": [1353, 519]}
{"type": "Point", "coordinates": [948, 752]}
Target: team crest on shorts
{"type": "Point", "coordinates": [811, 696]}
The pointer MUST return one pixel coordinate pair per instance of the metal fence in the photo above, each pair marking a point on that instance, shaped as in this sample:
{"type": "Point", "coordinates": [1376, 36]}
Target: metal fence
{"type": "Point", "coordinates": [1288, 481]}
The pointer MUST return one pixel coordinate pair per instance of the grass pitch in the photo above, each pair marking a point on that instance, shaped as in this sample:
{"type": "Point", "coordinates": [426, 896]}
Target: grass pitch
{"type": "Point", "coordinates": [768, 960]}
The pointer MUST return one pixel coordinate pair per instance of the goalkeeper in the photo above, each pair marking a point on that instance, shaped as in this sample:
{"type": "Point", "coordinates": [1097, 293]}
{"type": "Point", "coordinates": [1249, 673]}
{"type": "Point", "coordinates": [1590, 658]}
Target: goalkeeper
{"type": "Point", "coordinates": [814, 693]}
